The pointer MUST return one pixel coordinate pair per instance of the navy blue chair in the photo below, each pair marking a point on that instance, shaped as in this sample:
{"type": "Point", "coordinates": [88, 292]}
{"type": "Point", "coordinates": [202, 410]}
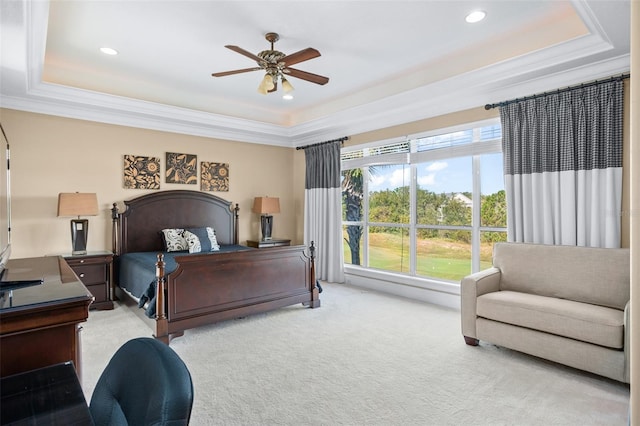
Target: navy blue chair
{"type": "Point", "coordinates": [145, 383]}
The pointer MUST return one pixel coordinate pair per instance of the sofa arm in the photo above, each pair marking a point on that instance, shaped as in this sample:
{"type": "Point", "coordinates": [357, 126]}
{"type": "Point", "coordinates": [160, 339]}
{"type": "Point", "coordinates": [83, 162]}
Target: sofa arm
{"type": "Point", "coordinates": [627, 342]}
{"type": "Point", "coordinates": [471, 287]}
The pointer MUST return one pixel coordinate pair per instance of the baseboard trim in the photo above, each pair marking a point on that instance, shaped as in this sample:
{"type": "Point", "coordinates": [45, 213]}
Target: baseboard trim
{"type": "Point", "coordinates": [438, 293]}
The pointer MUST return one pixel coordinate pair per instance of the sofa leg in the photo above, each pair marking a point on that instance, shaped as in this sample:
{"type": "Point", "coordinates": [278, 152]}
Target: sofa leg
{"type": "Point", "coordinates": [471, 341]}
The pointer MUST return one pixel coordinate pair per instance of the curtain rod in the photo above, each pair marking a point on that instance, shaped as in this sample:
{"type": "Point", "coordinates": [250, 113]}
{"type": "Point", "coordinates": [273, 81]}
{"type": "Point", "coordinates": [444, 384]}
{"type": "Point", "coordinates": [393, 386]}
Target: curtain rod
{"type": "Point", "coordinates": [555, 92]}
{"type": "Point", "coordinates": [323, 143]}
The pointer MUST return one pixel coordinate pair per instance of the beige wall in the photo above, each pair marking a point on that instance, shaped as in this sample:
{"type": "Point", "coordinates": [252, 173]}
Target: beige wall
{"type": "Point", "coordinates": [50, 155]}
{"type": "Point", "coordinates": [440, 122]}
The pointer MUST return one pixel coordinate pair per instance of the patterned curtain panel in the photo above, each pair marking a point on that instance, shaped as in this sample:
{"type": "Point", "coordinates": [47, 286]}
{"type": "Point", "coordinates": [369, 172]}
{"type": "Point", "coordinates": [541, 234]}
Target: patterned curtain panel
{"type": "Point", "coordinates": [563, 167]}
{"type": "Point", "coordinates": [323, 210]}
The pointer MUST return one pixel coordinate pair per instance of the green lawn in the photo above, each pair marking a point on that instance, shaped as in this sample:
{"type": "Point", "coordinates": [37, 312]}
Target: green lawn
{"type": "Point", "coordinates": [437, 258]}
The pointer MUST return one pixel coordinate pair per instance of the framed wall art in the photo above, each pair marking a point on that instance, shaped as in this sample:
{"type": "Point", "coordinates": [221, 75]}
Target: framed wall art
{"type": "Point", "coordinates": [141, 172]}
{"type": "Point", "coordinates": [214, 176]}
{"type": "Point", "coordinates": [181, 168]}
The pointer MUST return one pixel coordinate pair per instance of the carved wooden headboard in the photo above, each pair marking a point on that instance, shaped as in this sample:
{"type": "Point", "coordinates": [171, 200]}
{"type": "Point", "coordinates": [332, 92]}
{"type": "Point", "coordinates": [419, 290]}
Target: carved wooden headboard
{"type": "Point", "coordinates": [137, 229]}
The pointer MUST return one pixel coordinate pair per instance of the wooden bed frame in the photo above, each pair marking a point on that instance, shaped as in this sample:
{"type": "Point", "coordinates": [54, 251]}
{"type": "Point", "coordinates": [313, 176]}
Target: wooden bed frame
{"type": "Point", "coordinates": [208, 288]}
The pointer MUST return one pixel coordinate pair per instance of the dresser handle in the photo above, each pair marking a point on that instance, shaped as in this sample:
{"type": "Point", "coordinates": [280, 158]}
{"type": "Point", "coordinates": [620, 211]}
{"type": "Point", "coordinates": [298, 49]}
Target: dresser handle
{"type": "Point", "coordinates": [82, 261]}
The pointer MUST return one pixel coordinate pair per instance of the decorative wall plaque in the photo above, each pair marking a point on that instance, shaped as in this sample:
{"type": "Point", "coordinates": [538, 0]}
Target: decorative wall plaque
{"type": "Point", "coordinates": [181, 168]}
{"type": "Point", "coordinates": [214, 176]}
{"type": "Point", "coordinates": [141, 172]}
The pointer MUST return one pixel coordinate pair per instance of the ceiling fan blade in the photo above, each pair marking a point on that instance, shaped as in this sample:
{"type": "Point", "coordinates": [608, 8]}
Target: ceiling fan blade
{"type": "Point", "coordinates": [224, 73]}
{"type": "Point", "coordinates": [301, 56]}
{"type": "Point", "coordinates": [314, 78]}
{"type": "Point", "coordinates": [241, 51]}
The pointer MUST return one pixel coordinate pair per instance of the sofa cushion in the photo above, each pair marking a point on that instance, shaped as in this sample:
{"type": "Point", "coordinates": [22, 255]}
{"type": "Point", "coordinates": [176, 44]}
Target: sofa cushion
{"type": "Point", "coordinates": [581, 321]}
{"type": "Point", "coordinates": [597, 276]}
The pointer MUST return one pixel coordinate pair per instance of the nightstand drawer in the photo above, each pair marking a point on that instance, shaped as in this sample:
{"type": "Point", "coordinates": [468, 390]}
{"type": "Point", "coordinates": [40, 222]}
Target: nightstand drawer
{"type": "Point", "coordinates": [94, 270]}
{"type": "Point", "coordinates": [91, 274]}
{"type": "Point", "coordinates": [74, 261]}
{"type": "Point", "coordinates": [99, 291]}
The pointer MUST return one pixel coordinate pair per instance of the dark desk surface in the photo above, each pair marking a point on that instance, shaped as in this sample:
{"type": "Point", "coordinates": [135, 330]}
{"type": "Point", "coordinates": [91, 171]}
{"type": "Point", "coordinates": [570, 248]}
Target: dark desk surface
{"type": "Point", "coordinates": [59, 284]}
{"type": "Point", "coordinates": [46, 396]}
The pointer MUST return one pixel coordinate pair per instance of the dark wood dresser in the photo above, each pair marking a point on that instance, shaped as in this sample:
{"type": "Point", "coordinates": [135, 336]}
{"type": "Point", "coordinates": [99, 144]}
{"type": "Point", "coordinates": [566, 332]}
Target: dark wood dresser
{"type": "Point", "coordinates": [40, 321]}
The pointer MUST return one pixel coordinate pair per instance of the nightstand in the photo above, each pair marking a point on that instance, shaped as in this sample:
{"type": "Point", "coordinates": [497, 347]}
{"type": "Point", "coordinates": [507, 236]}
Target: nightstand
{"type": "Point", "coordinates": [94, 270]}
{"type": "Point", "coordinates": [274, 242]}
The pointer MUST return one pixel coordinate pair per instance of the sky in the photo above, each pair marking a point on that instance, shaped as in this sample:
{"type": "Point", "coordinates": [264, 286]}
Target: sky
{"type": "Point", "coordinates": [450, 175]}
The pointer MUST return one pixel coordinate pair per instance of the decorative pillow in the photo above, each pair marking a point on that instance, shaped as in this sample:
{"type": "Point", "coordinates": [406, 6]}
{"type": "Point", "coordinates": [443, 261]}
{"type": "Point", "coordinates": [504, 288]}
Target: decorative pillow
{"type": "Point", "coordinates": [174, 239]}
{"type": "Point", "coordinates": [201, 239]}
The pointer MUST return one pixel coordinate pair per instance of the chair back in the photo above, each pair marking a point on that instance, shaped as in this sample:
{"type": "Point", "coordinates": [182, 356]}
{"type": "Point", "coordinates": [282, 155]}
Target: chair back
{"type": "Point", "coordinates": [145, 383]}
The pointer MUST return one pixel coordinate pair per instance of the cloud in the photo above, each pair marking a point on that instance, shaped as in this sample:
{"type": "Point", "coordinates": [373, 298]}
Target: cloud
{"type": "Point", "coordinates": [436, 166]}
{"type": "Point", "coordinates": [377, 181]}
{"type": "Point", "coordinates": [427, 180]}
{"type": "Point", "coordinates": [400, 177]}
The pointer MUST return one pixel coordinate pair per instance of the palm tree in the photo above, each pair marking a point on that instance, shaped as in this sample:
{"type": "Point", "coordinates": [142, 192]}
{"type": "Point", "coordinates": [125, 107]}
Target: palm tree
{"type": "Point", "coordinates": [352, 188]}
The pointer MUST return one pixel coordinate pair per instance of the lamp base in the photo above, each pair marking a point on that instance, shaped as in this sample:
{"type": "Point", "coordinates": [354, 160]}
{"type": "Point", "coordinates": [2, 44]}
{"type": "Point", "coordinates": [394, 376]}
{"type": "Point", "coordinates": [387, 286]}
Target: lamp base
{"type": "Point", "coordinates": [79, 234]}
{"type": "Point", "coordinates": [266, 224]}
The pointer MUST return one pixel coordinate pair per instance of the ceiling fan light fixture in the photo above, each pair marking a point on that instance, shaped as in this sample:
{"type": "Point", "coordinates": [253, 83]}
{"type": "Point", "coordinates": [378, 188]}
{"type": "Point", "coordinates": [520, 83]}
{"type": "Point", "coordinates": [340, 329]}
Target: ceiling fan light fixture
{"type": "Point", "coordinates": [275, 63]}
{"type": "Point", "coordinates": [266, 84]}
{"type": "Point", "coordinates": [286, 86]}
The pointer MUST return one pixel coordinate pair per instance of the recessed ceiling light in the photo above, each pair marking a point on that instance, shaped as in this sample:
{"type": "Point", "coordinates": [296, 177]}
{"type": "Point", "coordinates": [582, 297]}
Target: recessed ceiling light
{"type": "Point", "coordinates": [475, 16]}
{"type": "Point", "coordinates": [108, 51]}
{"type": "Point", "coordinates": [287, 97]}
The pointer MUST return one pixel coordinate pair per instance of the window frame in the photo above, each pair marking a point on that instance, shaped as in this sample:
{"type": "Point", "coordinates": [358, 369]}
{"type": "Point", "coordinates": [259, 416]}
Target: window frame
{"type": "Point", "coordinates": [411, 157]}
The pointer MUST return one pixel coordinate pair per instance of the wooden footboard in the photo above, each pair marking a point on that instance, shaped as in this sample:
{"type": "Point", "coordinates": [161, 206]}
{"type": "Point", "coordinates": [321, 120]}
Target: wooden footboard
{"type": "Point", "coordinates": [205, 289]}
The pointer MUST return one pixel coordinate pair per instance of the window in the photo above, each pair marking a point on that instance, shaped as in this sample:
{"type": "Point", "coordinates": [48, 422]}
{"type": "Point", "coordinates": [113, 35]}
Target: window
{"type": "Point", "coordinates": [388, 214]}
{"type": "Point", "coordinates": [428, 206]}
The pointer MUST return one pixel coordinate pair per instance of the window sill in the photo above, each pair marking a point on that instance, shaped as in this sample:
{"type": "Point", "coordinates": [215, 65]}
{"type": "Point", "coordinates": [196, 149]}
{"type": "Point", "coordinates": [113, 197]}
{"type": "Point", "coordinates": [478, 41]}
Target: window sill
{"type": "Point", "coordinates": [428, 290]}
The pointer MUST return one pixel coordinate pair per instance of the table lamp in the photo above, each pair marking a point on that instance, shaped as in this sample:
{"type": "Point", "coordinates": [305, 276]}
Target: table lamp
{"type": "Point", "coordinates": [265, 206]}
{"type": "Point", "coordinates": [78, 204]}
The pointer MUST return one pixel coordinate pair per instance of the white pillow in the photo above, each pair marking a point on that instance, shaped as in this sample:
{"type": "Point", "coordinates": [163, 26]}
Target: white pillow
{"type": "Point", "coordinates": [174, 239]}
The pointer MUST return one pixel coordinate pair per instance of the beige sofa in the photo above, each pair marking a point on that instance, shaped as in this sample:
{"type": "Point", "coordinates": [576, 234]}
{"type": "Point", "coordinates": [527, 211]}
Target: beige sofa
{"type": "Point", "coordinates": [566, 304]}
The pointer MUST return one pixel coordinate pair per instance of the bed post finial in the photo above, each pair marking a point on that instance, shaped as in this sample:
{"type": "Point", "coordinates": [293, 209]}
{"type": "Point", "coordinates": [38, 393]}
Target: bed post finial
{"type": "Point", "coordinates": [160, 313]}
{"type": "Point", "coordinates": [236, 236]}
{"type": "Point", "coordinates": [162, 330]}
{"type": "Point", "coordinates": [115, 229]}
{"type": "Point", "coordinates": [315, 292]}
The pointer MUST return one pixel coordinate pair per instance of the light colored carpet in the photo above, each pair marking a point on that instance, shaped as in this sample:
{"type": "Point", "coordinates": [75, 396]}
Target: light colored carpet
{"type": "Point", "coordinates": [363, 358]}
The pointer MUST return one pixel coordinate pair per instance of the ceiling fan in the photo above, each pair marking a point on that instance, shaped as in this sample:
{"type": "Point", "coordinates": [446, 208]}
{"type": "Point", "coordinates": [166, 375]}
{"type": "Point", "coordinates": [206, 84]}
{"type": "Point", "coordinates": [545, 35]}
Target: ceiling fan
{"type": "Point", "coordinates": [277, 66]}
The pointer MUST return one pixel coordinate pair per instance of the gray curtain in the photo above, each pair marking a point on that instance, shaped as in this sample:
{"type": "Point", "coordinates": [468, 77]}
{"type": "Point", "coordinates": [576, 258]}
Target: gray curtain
{"type": "Point", "coordinates": [563, 166]}
{"type": "Point", "coordinates": [323, 209]}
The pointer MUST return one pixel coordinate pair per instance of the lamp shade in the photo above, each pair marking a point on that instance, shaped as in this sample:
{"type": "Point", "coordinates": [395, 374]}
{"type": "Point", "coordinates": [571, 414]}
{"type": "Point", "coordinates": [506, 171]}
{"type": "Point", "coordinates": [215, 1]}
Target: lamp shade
{"type": "Point", "coordinates": [266, 84]}
{"type": "Point", "coordinates": [266, 205]}
{"type": "Point", "coordinates": [286, 86]}
{"type": "Point", "coordinates": [77, 204]}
